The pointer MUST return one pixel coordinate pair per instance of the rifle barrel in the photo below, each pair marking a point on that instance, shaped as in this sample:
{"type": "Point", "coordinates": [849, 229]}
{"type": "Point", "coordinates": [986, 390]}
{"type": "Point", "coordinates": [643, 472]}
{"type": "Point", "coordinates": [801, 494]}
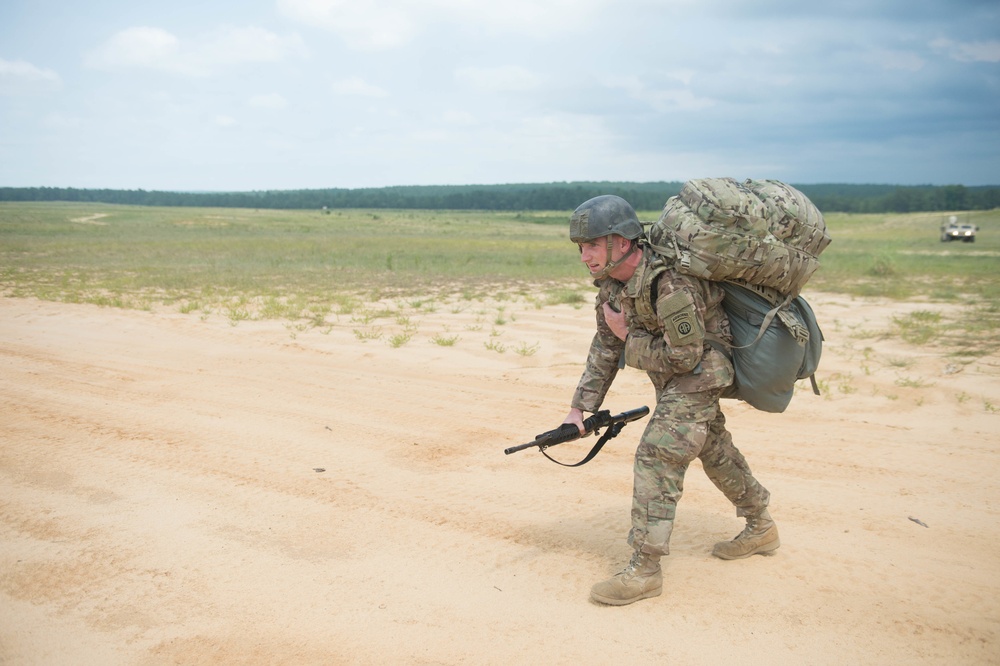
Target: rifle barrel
{"type": "Point", "coordinates": [567, 432]}
{"type": "Point", "coordinates": [519, 447]}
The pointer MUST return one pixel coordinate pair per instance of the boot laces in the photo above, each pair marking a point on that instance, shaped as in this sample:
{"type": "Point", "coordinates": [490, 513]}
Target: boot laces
{"type": "Point", "coordinates": [755, 527]}
{"type": "Point", "coordinates": [635, 564]}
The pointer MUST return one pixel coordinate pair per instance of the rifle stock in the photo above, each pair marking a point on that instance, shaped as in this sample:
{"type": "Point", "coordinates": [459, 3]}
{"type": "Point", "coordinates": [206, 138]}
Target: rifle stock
{"type": "Point", "coordinates": [568, 432]}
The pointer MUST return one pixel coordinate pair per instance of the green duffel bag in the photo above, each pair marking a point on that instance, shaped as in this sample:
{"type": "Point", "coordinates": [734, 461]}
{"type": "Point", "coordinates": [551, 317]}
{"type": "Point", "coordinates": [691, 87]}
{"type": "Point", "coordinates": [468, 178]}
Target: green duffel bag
{"type": "Point", "coordinates": [774, 346]}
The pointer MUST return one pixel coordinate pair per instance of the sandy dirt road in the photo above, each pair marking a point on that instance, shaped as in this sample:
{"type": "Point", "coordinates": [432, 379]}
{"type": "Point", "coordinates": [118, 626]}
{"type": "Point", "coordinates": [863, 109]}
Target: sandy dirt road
{"type": "Point", "coordinates": [179, 490]}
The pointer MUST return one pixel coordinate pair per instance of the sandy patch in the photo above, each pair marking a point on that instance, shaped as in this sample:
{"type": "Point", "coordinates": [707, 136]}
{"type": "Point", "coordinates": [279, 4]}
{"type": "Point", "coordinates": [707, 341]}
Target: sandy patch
{"type": "Point", "coordinates": [161, 500]}
{"type": "Point", "coordinates": [91, 219]}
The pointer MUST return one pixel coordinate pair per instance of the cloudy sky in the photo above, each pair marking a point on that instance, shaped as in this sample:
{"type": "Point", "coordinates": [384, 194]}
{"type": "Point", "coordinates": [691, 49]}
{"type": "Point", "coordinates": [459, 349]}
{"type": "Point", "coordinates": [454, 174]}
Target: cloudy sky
{"type": "Point", "coordinates": [290, 94]}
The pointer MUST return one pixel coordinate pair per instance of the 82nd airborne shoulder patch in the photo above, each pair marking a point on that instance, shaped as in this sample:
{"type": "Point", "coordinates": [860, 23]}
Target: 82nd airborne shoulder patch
{"type": "Point", "coordinates": [681, 319]}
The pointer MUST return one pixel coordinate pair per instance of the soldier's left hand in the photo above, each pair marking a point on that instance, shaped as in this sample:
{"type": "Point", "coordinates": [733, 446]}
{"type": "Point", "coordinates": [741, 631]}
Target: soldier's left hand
{"type": "Point", "coordinates": [616, 321]}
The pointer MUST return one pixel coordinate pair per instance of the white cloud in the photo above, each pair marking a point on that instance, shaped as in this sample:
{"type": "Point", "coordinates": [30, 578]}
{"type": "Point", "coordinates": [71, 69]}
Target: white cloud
{"type": "Point", "coordinates": [389, 24]}
{"type": "Point", "coordinates": [224, 121]}
{"type": "Point", "coordinates": [268, 101]}
{"type": "Point", "coordinates": [498, 79]}
{"type": "Point", "coordinates": [680, 99]}
{"type": "Point", "coordinates": [18, 76]}
{"type": "Point", "coordinates": [143, 47]}
{"type": "Point", "coordinates": [461, 118]}
{"type": "Point", "coordinates": [509, 148]}
{"type": "Point", "coordinates": [59, 121]}
{"type": "Point", "coordinates": [548, 147]}
{"type": "Point", "coordinates": [363, 24]}
{"type": "Point", "coordinates": [897, 60]}
{"type": "Point", "coordinates": [969, 51]}
{"type": "Point", "coordinates": [358, 87]}
{"type": "Point", "coordinates": [247, 45]}
{"type": "Point", "coordinates": [530, 17]}
{"type": "Point", "coordinates": [685, 76]}
{"type": "Point", "coordinates": [982, 51]}
{"type": "Point", "coordinates": [139, 46]}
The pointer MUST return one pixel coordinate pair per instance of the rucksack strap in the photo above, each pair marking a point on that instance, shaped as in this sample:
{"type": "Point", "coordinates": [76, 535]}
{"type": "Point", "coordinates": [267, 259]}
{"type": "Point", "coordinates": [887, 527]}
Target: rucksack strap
{"type": "Point", "coordinates": [768, 318]}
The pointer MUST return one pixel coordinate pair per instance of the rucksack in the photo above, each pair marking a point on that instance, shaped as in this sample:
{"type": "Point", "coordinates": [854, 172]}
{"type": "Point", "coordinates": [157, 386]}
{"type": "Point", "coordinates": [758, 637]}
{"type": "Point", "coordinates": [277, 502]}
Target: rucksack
{"type": "Point", "coordinates": [761, 240]}
{"type": "Point", "coordinates": [772, 348]}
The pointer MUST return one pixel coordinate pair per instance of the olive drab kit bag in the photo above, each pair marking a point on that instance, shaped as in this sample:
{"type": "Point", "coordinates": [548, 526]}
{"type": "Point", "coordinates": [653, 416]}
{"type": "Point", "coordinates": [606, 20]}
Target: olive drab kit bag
{"type": "Point", "coordinates": [761, 239]}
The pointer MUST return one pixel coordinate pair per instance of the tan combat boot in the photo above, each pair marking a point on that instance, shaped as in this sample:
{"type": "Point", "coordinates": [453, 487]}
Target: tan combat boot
{"type": "Point", "coordinates": [759, 536]}
{"type": "Point", "coordinates": [641, 579]}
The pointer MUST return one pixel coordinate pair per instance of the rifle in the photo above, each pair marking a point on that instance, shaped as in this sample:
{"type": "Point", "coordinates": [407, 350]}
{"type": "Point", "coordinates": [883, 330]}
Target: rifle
{"type": "Point", "coordinates": [568, 432]}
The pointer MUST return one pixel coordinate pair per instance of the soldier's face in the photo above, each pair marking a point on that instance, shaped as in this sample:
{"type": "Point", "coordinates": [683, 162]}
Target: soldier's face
{"type": "Point", "coordinates": [594, 253]}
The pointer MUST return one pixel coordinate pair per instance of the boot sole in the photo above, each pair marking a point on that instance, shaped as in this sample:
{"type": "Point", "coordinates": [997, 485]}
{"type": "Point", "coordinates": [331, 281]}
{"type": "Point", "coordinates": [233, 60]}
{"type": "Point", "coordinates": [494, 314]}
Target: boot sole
{"type": "Point", "coordinates": [624, 602]}
{"type": "Point", "coordinates": [766, 549]}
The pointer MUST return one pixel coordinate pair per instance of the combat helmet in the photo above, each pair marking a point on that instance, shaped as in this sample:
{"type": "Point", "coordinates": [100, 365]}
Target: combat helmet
{"type": "Point", "coordinates": [604, 216]}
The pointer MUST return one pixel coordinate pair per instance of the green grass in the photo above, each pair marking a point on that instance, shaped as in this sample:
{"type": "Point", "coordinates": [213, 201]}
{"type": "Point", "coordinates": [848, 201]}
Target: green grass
{"type": "Point", "coordinates": [134, 256]}
{"type": "Point", "coordinates": [313, 267]}
{"type": "Point", "coordinates": [902, 257]}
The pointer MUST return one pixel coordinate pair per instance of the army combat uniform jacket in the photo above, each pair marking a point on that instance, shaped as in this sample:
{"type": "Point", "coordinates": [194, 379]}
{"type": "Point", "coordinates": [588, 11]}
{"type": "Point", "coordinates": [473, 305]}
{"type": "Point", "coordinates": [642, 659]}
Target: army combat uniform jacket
{"type": "Point", "coordinates": [668, 316]}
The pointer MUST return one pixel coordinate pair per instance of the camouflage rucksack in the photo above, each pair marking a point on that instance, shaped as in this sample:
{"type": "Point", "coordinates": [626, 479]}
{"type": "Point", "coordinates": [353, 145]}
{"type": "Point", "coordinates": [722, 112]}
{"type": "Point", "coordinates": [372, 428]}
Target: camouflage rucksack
{"type": "Point", "coordinates": [760, 232]}
{"type": "Point", "coordinates": [761, 239]}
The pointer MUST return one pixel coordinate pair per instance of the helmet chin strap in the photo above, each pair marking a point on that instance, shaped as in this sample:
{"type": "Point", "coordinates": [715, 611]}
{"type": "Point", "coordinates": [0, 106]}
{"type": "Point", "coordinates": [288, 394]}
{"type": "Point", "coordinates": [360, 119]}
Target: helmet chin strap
{"type": "Point", "coordinates": [611, 265]}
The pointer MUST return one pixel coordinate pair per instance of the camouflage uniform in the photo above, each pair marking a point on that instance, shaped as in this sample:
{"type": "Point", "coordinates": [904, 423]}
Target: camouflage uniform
{"type": "Point", "coordinates": [688, 375]}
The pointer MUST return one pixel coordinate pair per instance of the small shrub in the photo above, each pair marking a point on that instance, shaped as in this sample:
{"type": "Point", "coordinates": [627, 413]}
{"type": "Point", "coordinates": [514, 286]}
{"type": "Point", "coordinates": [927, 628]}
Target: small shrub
{"type": "Point", "coordinates": [524, 349]}
{"type": "Point", "coordinates": [445, 340]}
{"type": "Point", "coordinates": [364, 335]}
{"type": "Point", "coordinates": [883, 267]}
{"type": "Point", "coordinates": [565, 297]}
{"type": "Point", "coordinates": [906, 382]}
{"type": "Point", "coordinates": [920, 327]}
{"type": "Point", "coordinates": [400, 339]}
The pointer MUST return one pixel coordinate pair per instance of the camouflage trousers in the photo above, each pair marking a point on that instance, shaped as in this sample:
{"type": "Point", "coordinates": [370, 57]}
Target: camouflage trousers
{"type": "Point", "coordinates": [684, 427]}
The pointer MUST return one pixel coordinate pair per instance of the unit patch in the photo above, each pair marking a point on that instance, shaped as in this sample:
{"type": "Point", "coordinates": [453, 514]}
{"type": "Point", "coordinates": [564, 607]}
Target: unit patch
{"type": "Point", "coordinates": [681, 319]}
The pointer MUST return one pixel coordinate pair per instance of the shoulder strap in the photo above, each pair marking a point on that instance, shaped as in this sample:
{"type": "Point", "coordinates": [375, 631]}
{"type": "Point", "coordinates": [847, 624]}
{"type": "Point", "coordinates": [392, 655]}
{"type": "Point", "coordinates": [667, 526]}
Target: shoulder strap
{"type": "Point", "coordinates": [645, 301]}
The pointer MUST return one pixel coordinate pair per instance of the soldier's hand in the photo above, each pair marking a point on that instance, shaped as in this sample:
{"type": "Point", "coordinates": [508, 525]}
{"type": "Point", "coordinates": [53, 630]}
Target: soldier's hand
{"type": "Point", "coordinates": [575, 417]}
{"type": "Point", "coordinates": [615, 321]}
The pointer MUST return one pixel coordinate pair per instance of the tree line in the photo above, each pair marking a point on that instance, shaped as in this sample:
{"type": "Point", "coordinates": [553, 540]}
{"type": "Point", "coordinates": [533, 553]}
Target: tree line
{"type": "Point", "coordinates": [846, 198]}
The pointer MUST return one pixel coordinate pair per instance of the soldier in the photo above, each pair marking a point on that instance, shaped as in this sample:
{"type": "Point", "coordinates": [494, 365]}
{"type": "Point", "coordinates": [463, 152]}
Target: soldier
{"type": "Point", "coordinates": [664, 322]}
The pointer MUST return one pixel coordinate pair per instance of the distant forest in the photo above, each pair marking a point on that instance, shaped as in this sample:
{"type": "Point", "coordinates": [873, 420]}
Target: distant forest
{"type": "Point", "coordinates": [517, 197]}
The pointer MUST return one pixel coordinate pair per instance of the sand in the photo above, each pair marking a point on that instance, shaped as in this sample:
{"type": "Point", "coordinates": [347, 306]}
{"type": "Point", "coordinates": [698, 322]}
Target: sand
{"type": "Point", "coordinates": [177, 489]}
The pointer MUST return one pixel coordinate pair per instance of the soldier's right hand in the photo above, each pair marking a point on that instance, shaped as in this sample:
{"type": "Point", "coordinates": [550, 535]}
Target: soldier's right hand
{"type": "Point", "coordinates": [575, 417]}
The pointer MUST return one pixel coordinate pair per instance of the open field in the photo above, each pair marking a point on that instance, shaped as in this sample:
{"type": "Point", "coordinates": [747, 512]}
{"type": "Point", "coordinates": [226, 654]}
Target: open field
{"type": "Point", "coordinates": [137, 257]}
{"type": "Point", "coordinates": [311, 268]}
{"type": "Point", "coordinates": [265, 437]}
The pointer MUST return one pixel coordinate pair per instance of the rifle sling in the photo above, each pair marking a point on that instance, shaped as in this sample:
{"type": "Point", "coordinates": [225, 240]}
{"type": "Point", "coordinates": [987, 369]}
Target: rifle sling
{"type": "Point", "coordinates": [611, 432]}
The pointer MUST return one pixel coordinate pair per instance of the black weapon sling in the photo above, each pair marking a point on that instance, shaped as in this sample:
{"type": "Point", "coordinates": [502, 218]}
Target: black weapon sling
{"type": "Point", "coordinates": [610, 433]}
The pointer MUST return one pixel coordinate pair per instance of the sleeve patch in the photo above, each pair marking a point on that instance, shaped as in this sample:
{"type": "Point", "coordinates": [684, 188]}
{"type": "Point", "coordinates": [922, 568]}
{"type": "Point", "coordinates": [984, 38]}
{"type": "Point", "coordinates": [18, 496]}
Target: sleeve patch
{"type": "Point", "coordinates": [680, 319]}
